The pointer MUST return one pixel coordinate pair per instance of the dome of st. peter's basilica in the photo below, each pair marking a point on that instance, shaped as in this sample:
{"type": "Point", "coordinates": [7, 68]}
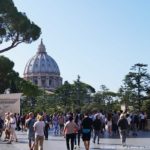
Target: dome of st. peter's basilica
{"type": "Point", "coordinates": [43, 70]}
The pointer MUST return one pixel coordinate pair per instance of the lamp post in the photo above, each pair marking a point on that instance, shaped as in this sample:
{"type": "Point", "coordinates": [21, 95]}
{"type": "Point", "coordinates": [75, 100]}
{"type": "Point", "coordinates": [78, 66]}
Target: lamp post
{"type": "Point", "coordinates": [78, 92]}
{"type": "Point", "coordinates": [78, 97]}
{"type": "Point", "coordinates": [22, 104]}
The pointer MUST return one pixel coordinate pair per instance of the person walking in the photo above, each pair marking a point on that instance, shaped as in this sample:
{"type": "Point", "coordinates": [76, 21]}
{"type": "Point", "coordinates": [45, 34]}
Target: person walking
{"type": "Point", "coordinates": [1, 126]}
{"type": "Point", "coordinates": [39, 126]}
{"type": "Point", "coordinates": [69, 132]}
{"type": "Point", "coordinates": [78, 121]}
{"type": "Point", "coordinates": [30, 130]}
{"type": "Point", "coordinates": [97, 128]}
{"type": "Point", "coordinates": [123, 127]}
{"type": "Point", "coordinates": [7, 128]}
{"type": "Point", "coordinates": [46, 120]}
{"type": "Point", "coordinates": [13, 135]}
{"type": "Point", "coordinates": [61, 120]}
{"type": "Point", "coordinates": [86, 130]}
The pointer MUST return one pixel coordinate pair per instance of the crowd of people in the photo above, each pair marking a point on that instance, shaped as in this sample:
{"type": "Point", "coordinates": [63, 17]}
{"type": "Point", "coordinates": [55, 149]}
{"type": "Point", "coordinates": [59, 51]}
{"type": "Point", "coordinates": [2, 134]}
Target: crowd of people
{"type": "Point", "coordinates": [73, 126]}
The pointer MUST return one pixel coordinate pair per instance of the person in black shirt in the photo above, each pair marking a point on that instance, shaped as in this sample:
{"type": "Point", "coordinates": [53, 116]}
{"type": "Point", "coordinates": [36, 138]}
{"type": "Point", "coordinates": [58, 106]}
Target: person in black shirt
{"type": "Point", "coordinates": [97, 128]}
{"type": "Point", "coordinates": [86, 130]}
{"type": "Point", "coordinates": [123, 126]}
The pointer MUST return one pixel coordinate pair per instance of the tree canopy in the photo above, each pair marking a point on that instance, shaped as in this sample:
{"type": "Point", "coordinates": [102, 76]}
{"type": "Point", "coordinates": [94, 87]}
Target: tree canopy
{"type": "Point", "coordinates": [9, 79]}
{"type": "Point", "coordinates": [15, 27]}
{"type": "Point", "coordinates": [136, 84]}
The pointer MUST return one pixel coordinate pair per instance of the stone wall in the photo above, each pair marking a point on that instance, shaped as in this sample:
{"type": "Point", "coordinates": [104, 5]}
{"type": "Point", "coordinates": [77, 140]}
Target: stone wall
{"type": "Point", "coordinates": [148, 124]}
{"type": "Point", "coordinates": [10, 103]}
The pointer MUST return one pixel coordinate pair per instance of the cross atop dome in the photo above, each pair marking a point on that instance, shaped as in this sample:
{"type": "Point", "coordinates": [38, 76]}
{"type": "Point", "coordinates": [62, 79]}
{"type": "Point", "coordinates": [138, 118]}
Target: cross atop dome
{"type": "Point", "coordinates": [41, 48]}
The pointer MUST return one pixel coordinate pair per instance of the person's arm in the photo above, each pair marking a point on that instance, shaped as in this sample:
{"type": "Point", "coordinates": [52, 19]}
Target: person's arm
{"type": "Point", "coordinates": [26, 124]}
{"type": "Point", "coordinates": [44, 125]}
{"type": "Point", "coordinates": [34, 126]}
{"type": "Point", "coordinates": [118, 123]}
{"type": "Point", "coordinates": [64, 130]}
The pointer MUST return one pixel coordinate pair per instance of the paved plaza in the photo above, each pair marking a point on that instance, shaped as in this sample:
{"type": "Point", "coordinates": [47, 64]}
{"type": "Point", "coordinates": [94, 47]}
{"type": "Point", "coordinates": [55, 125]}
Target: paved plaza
{"type": "Point", "coordinates": [141, 142]}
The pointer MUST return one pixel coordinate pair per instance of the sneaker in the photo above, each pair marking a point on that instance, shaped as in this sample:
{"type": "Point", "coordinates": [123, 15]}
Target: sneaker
{"type": "Point", "coordinates": [75, 146]}
{"type": "Point", "coordinates": [123, 144]}
{"type": "Point", "coordinates": [9, 142]}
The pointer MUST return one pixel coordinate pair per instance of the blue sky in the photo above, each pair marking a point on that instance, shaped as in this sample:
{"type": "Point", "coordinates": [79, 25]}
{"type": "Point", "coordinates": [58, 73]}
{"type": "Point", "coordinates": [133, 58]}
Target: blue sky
{"type": "Point", "coordinates": [98, 39]}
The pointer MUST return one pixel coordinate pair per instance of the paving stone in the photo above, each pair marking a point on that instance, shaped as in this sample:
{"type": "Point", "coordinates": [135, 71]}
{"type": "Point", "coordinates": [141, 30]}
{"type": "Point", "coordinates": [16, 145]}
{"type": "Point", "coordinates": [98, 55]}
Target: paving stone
{"type": "Point", "coordinates": [141, 142]}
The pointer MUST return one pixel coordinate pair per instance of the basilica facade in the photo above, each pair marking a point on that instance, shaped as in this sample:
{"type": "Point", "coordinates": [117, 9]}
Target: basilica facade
{"type": "Point", "coordinates": [42, 70]}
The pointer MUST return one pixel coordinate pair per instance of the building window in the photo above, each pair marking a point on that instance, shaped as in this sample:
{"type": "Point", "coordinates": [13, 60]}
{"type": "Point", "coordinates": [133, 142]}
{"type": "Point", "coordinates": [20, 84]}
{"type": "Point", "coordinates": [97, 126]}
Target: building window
{"type": "Point", "coordinates": [50, 82]}
{"type": "Point", "coordinates": [35, 82]}
{"type": "Point", "coordinates": [43, 83]}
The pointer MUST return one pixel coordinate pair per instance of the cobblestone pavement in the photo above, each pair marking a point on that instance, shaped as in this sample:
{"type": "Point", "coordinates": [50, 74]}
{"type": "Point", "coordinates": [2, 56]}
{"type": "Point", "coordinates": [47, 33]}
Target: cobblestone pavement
{"type": "Point", "coordinates": [141, 142]}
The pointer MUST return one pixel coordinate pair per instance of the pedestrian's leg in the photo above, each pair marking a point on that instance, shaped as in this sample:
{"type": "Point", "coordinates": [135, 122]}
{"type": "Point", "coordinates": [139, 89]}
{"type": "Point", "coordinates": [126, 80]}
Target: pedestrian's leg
{"type": "Point", "coordinates": [67, 142]}
{"type": "Point", "coordinates": [85, 145]}
{"type": "Point", "coordinates": [94, 137]}
{"type": "Point", "coordinates": [124, 136]}
{"type": "Point", "coordinates": [30, 143]}
{"type": "Point", "coordinates": [10, 136]}
{"type": "Point", "coordinates": [88, 145]}
{"type": "Point", "coordinates": [46, 133]}
{"type": "Point", "coordinates": [121, 136]}
{"type": "Point", "coordinates": [14, 135]}
{"type": "Point", "coordinates": [41, 139]}
{"type": "Point", "coordinates": [72, 141]}
{"type": "Point", "coordinates": [36, 143]}
{"type": "Point", "coordinates": [79, 138]}
{"type": "Point", "coordinates": [98, 136]}
{"type": "Point", "coordinates": [1, 132]}
{"type": "Point", "coordinates": [75, 139]}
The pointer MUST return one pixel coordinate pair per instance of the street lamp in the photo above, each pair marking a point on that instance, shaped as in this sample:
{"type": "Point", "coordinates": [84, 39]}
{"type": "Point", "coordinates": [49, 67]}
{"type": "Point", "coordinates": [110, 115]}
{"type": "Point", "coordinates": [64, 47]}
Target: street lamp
{"type": "Point", "coordinates": [22, 104]}
{"type": "Point", "coordinates": [78, 89]}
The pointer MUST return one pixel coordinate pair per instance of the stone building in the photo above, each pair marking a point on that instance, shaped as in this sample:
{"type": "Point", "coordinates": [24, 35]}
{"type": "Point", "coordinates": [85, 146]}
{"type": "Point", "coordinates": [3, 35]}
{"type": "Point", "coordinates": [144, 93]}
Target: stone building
{"type": "Point", "coordinates": [43, 70]}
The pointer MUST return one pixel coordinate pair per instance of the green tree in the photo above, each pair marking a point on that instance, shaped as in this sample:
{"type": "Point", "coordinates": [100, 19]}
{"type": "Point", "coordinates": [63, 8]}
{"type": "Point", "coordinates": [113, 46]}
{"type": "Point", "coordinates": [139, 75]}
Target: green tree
{"type": "Point", "coordinates": [63, 95]}
{"type": "Point", "coordinates": [7, 74]}
{"type": "Point", "coordinates": [15, 27]}
{"type": "Point", "coordinates": [81, 93]}
{"type": "Point", "coordinates": [29, 89]}
{"type": "Point", "coordinates": [9, 79]}
{"type": "Point", "coordinates": [137, 82]}
{"type": "Point", "coordinates": [31, 93]}
{"type": "Point", "coordinates": [73, 96]}
{"type": "Point", "coordinates": [126, 95]}
{"type": "Point", "coordinates": [146, 107]}
{"type": "Point", "coordinates": [105, 97]}
{"type": "Point", "coordinates": [14, 82]}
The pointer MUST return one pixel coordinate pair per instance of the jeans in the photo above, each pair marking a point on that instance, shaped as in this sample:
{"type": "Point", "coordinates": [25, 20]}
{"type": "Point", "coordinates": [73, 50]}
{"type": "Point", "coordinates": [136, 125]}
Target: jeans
{"type": "Point", "coordinates": [68, 138]}
{"type": "Point", "coordinates": [96, 134]}
{"type": "Point", "coordinates": [123, 135]}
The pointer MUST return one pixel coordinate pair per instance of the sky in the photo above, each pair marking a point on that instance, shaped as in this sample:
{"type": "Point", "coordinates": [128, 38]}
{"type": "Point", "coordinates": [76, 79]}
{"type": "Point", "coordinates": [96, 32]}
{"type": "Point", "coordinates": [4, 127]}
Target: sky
{"type": "Point", "coordinates": [97, 39]}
